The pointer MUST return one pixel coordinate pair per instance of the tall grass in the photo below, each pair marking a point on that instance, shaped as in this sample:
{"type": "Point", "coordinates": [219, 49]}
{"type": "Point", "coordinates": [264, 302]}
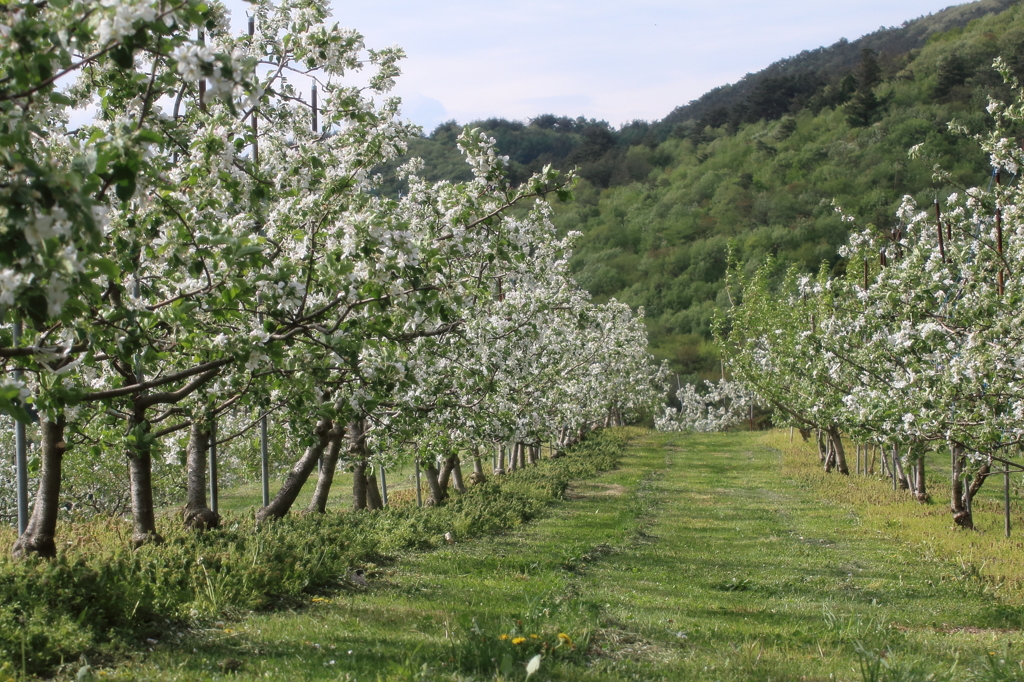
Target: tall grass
{"type": "Point", "coordinates": [984, 553]}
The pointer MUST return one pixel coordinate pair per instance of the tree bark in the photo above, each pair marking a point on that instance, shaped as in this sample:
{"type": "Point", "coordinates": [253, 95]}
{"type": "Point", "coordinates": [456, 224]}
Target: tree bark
{"type": "Point", "coordinates": [457, 481]}
{"type": "Point", "coordinates": [373, 498]}
{"type": "Point", "coordinates": [501, 461]}
{"type": "Point", "coordinates": [477, 476]}
{"type": "Point", "coordinates": [318, 504]}
{"type": "Point", "coordinates": [962, 496]}
{"type": "Point", "coordinates": [359, 456]}
{"type": "Point", "coordinates": [359, 485]}
{"type": "Point", "coordinates": [920, 489]}
{"type": "Point", "coordinates": [436, 493]}
{"type": "Point", "coordinates": [38, 537]}
{"type": "Point", "coordinates": [822, 449]}
{"type": "Point", "coordinates": [901, 475]}
{"type": "Point", "coordinates": [838, 451]}
{"type": "Point", "coordinates": [197, 515]}
{"type": "Point", "coordinates": [298, 475]}
{"type": "Point", "coordinates": [140, 476]}
{"type": "Point", "coordinates": [446, 473]}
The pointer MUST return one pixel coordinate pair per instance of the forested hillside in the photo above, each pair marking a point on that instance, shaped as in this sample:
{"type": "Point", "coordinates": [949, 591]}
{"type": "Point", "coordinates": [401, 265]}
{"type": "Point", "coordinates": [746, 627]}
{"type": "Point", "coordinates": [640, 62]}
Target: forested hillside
{"type": "Point", "coordinates": [757, 165]}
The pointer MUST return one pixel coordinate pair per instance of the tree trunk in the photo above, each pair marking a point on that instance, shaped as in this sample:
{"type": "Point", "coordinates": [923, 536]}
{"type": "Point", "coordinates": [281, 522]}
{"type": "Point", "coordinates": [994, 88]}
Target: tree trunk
{"type": "Point", "coordinates": [534, 454]}
{"type": "Point", "coordinates": [901, 475]}
{"type": "Point", "coordinates": [838, 451]}
{"type": "Point", "coordinates": [920, 489]}
{"type": "Point", "coordinates": [960, 502]}
{"type": "Point", "coordinates": [328, 467]}
{"type": "Point", "coordinates": [501, 461]}
{"type": "Point", "coordinates": [446, 473]}
{"type": "Point", "coordinates": [298, 475]}
{"type": "Point", "coordinates": [359, 485]}
{"type": "Point", "coordinates": [197, 515]}
{"type": "Point", "coordinates": [436, 493]}
{"type": "Point", "coordinates": [513, 457]}
{"type": "Point", "coordinates": [457, 481]}
{"type": "Point", "coordinates": [478, 469]}
{"type": "Point", "coordinates": [38, 537]}
{"type": "Point", "coordinates": [140, 475]}
{"type": "Point", "coordinates": [373, 498]}
{"type": "Point", "coordinates": [360, 459]}
{"type": "Point", "coordinates": [822, 449]}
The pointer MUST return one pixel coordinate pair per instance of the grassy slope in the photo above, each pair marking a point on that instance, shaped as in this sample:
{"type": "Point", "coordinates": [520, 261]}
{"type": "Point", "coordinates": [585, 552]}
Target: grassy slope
{"type": "Point", "coordinates": [702, 557]}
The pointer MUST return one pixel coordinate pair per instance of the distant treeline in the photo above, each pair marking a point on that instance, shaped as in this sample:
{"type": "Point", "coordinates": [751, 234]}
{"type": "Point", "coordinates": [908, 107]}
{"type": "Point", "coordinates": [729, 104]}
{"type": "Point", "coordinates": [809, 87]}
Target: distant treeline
{"type": "Point", "coordinates": [757, 165]}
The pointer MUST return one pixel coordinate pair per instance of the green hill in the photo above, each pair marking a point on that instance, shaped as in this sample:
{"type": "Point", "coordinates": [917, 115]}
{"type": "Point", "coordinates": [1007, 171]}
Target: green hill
{"type": "Point", "coordinates": [756, 165]}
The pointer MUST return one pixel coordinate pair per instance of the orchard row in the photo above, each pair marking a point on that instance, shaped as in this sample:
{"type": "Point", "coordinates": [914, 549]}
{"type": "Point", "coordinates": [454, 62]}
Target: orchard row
{"type": "Point", "coordinates": [210, 248]}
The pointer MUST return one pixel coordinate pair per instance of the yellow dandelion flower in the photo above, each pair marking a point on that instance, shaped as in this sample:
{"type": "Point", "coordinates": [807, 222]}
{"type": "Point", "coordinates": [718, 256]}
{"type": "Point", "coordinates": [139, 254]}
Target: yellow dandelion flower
{"type": "Point", "coordinates": [566, 639]}
{"type": "Point", "coordinates": [518, 640]}
{"type": "Point", "coordinates": [534, 636]}
{"type": "Point", "coordinates": [503, 637]}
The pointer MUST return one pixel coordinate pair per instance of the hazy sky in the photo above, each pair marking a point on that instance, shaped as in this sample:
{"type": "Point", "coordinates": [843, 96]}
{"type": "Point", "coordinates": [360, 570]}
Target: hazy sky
{"type": "Point", "coordinates": [615, 61]}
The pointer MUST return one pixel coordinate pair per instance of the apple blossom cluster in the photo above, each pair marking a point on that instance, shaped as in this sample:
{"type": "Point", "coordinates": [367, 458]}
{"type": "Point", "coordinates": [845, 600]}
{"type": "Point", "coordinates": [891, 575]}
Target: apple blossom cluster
{"type": "Point", "coordinates": [721, 405]}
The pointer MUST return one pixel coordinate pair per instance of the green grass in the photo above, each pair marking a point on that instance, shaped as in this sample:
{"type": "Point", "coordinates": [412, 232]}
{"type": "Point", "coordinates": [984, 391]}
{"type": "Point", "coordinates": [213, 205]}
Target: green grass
{"type": "Point", "coordinates": [711, 557]}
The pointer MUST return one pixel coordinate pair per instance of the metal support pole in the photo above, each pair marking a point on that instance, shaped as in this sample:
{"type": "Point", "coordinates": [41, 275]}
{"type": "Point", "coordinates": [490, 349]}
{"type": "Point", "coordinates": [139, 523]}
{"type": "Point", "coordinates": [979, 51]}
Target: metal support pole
{"type": "Point", "coordinates": [213, 465]}
{"type": "Point", "coordinates": [1006, 496]}
{"type": "Point", "coordinates": [419, 494]}
{"type": "Point", "coordinates": [20, 456]}
{"type": "Point", "coordinates": [383, 486]}
{"type": "Point", "coordinates": [264, 461]}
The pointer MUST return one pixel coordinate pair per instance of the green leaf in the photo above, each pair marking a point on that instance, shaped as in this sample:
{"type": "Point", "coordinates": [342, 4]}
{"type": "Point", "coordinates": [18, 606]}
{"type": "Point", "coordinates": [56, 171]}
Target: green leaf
{"type": "Point", "coordinates": [107, 267]}
{"type": "Point", "coordinates": [125, 189]}
{"type": "Point", "coordinates": [61, 98]}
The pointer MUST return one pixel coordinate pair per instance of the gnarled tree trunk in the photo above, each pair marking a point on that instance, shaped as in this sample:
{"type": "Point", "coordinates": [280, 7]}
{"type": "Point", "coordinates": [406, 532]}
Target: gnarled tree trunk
{"type": "Point", "coordinates": [328, 467]}
{"type": "Point", "coordinates": [38, 537]}
{"type": "Point", "coordinates": [197, 515]}
{"type": "Point", "coordinates": [457, 481]}
{"type": "Point", "coordinates": [838, 451]}
{"type": "Point", "coordinates": [962, 495]}
{"type": "Point", "coordinates": [437, 494]}
{"type": "Point", "coordinates": [373, 498]}
{"type": "Point", "coordinates": [298, 475]}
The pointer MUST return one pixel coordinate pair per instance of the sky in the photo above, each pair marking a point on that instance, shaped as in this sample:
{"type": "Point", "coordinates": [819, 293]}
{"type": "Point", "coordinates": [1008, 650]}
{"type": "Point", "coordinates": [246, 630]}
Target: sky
{"type": "Point", "coordinates": [613, 61]}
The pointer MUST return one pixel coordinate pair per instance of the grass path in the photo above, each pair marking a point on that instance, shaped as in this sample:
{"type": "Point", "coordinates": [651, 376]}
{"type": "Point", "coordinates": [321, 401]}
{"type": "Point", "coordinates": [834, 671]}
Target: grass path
{"type": "Point", "coordinates": [701, 557]}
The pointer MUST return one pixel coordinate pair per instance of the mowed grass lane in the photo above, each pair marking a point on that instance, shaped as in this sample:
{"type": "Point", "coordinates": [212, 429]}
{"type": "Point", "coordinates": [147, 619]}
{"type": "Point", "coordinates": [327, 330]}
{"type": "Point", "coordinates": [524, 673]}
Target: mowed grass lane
{"type": "Point", "coordinates": [701, 557]}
